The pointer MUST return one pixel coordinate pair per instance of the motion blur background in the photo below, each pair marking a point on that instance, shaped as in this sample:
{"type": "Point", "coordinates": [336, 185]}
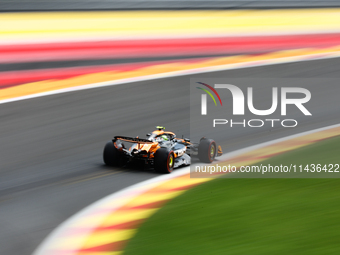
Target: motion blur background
{"type": "Point", "coordinates": [50, 147]}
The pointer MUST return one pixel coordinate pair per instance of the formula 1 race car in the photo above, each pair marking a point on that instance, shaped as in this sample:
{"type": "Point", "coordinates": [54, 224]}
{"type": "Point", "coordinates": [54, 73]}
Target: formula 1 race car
{"type": "Point", "coordinates": [162, 150]}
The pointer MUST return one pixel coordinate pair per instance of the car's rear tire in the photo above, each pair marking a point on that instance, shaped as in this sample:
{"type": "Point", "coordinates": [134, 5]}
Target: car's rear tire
{"type": "Point", "coordinates": [164, 160]}
{"type": "Point", "coordinates": [207, 150]}
{"type": "Point", "coordinates": [111, 155]}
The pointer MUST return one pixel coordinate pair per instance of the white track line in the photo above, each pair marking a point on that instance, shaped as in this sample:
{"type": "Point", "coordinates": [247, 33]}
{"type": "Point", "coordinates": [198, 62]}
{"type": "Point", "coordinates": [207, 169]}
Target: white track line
{"type": "Point", "coordinates": [116, 198]}
{"type": "Point", "coordinates": [180, 73]}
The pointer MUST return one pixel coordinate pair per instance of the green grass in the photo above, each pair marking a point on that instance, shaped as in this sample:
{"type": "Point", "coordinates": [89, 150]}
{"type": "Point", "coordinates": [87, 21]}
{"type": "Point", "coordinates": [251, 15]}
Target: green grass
{"type": "Point", "coordinates": [251, 216]}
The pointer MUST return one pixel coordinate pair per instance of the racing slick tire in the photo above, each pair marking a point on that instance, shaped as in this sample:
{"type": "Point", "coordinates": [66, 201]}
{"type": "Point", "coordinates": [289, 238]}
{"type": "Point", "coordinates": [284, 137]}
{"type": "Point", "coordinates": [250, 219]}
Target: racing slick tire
{"type": "Point", "coordinates": [111, 155]}
{"type": "Point", "coordinates": [207, 150]}
{"type": "Point", "coordinates": [164, 160]}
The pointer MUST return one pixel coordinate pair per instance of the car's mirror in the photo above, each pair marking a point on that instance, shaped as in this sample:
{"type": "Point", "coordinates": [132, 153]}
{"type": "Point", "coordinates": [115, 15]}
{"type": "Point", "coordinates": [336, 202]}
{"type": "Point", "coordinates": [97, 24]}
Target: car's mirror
{"type": "Point", "coordinates": [148, 134]}
{"type": "Point", "coordinates": [187, 139]}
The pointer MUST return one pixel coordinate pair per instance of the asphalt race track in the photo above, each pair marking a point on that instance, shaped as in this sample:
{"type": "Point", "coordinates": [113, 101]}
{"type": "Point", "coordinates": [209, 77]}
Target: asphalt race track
{"type": "Point", "coordinates": [51, 147]}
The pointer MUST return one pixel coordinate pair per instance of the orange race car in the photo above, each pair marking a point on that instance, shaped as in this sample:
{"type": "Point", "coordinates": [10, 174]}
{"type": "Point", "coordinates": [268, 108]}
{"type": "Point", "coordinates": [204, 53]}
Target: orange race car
{"type": "Point", "coordinates": [162, 150]}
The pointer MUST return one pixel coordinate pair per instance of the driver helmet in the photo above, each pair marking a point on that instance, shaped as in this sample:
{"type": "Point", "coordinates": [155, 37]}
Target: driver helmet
{"type": "Point", "coordinates": [164, 138]}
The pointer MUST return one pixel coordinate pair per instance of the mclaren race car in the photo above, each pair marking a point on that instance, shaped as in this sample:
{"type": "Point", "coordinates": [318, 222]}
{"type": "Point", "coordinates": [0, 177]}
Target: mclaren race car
{"type": "Point", "coordinates": [162, 150]}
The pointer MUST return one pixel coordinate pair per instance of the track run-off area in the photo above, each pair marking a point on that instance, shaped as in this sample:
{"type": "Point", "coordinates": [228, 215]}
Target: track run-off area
{"type": "Point", "coordinates": [42, 52]}
{"type": "Point", "coordinates": [55, 121]}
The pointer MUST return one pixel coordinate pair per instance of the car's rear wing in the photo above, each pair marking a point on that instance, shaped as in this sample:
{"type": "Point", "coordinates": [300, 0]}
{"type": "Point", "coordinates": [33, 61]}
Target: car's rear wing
{"type": "Point", "coordinates": [131, 139]}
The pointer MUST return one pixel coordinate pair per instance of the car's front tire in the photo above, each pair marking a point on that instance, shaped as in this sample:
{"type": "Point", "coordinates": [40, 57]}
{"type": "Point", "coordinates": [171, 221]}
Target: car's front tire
{"type": "Point", "coordinates": [207, 150]}
{"type": "Point", "coordinates": [164, 160]}
{"type": "Point", "coordinates": [111, 155]}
